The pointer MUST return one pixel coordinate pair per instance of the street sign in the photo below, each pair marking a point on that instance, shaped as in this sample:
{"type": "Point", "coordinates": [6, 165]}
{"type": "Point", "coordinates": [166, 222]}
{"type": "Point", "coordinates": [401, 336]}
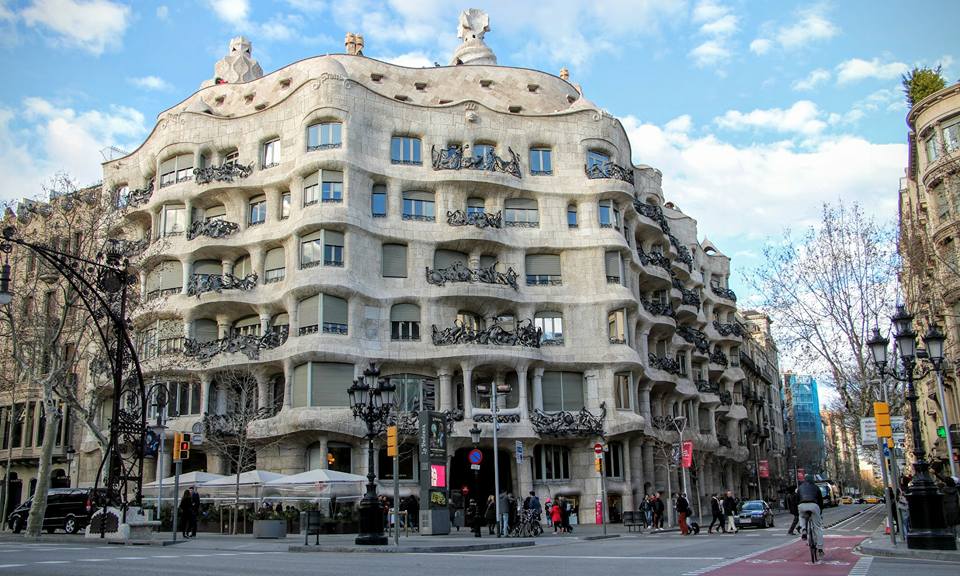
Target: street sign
{"type": "Point", "coordinates": [474, 466]}
{"type": "Point", "coordinates": [476, 457]}
{"type": "Point", "coordinates": [197, 428]}
{"type": "Point", "coordinates": [519, 451]}
{"type": "Point", "coordinates": [764, 468]}
{"type": "Point", "coordinates": [881, 411]}
{"type": "Point", "coordinates": [886, 452]}
{"type": "Point", "coordinates": [598, 448]}
{"type": "Point", "coordinates": [687, 457]}
{"type": "Point", "coordinates": [868, 431]}
{"type": "Point", "coordinates": [196, 439]}
{"type": "Point", "coordinates": [675, 455]}
{"type": "Point", "coordinates": [898, 428]}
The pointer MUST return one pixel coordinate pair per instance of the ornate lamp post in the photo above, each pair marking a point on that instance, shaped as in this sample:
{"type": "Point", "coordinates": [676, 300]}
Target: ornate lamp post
{"type": "Point", "coordinates": [370, 400]}
{"type": "Point", "coordinates": [928, 530]}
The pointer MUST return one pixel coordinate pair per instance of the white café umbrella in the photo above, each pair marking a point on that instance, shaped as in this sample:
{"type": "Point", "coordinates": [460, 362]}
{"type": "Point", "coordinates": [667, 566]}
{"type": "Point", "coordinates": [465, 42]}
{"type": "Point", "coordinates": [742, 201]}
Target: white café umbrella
{"type": "Point", "coordinates": [187, 480]}
{"type": "Point", "coordinates": [316, 484]}
{"type": "Point", "coordinates": [250, 483]}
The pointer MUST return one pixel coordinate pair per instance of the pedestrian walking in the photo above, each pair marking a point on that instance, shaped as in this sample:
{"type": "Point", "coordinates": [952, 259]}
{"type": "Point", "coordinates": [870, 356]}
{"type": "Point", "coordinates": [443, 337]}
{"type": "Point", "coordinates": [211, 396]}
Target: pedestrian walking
{"type": "Point", "coordinates": [793, 507]}
{"type": "Point", "coordinates": [643, 509]}
{"type": "Point", "coordinates": [474, 518]}
{"type": "Point", "coordinates": [185, 509]}
{"type": "Point", "coordinates": [556, 515]}
{"type": "Point", "coordinates": [548, 511]}
{"type": "Point", "coordinates": [716, 510]}
{"type": "Point", "coordinates": [683, 510]}
{"type": "Point", "coordinates": [504, 502]}
{"type": "Point", "coordinates": [534, 505]}
{"type": "Point", "coordinates": [490, 513]}
{"type": "Point", "coordinates": [195, 517]}
{"type": "Point", "coordinates": [729, 511]}
{"type": "Point", "coordinates": [566, 508]}
{"type": "Point", "coordinates": [659, 508]}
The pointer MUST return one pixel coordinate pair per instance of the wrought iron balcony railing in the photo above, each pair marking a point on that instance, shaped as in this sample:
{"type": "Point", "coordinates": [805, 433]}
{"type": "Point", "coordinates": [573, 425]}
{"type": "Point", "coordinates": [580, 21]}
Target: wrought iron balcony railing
{"type": "Point", "coordinates": [525, 334]}
{"type": "Point", "coordinates": [226, 172]}
{"type": "Point", "coordinates": [726, 398]}
{"type": "Point", "coordinates": [724, 441]}
{"type": "Point", "coordinates": [455, 158]}
{"type": "Point", "coordinates": [568, 424]}
{"type": "Point", "coordinates": [683, 254]}
{"type": "Point", "coordinates": [202, 283]}
{"type": "Point", "coordinates": [479, 219]}
{"type": "Point", "coordinates": [723, 292]}
{"type": "Point", "coordinates": [654, 213]}
{"type": "Point", "coordinates": [658, 307]}
{"type": "Point", "coordinates": [729, 328]}
{"type": "Point", "coordinates": [665, 363]}
{"type": "Point", "coordinates": [129, 248]}
{"type": "Point", "coordinates": [459, 272]}
{"type": "Point", "coordinates": [695, 337]}
{"type": "Point", "coordinates": [608, 170]}
{"type": "Point", "coordinates": [248, 344]}
{"type": "Point", "coordinates": [718, 357]}
{"type": "Point", "coordinates": [653, 258]}
{"type": "Point", "coordinates": [214, 228]}
{"type": "Point", "coordinates": [140, 196]}
{"type": "Point", "coordinates": [707, 387]}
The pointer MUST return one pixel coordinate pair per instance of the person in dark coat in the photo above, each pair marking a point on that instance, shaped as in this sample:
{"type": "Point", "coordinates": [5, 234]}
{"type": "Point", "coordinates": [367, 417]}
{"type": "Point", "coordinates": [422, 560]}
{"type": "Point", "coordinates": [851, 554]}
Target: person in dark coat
{"type": "Point", "coordinates": [683, 510]}
{"type": "Point", "coordinates": [729, 511]}
{"type": "Point", "coordinates": [951, 502]}
{"type": "Point", "coordinates": [658, 509]}
{"type": "Point", "coordinates": [792, 503]}
{"type": "Point", "coordinates": [474, 518]}
{"type": "Point", "coordinates": [195, 518]}
{"type": "Point", "coordinates": [185, 511]}
{"type": "Point", "coordinates": [716, 510]}
{"type": "Point", "coordinates": [490, 513]}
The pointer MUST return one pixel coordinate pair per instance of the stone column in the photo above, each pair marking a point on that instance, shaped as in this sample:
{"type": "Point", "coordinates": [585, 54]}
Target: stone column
{"type": "Point", "coordinates": [467, 393]}
{"type": "Point", "coordinates": [186, 271]}
{"type": "Point", "coordinates": [538, 388]}
{"type": "Point", "coordinates": [143, 285]}
{"type": "Point", "coordinates": [288, 381]}
{"type": "Point", "coordinates": [264, 322]}
{"type": "Point", "coordinates": [256, 261]}
{"type": "Point", "coordinates": [636, 477]}
{"type": "Point", "coordinates": [291, 253]}
{"type": "Point", "coordinates": [263, 394]}
{"type": "Point", "coordinates": [628, 485]}
{"type": "Point", "coordinates": [643, 399]}
{"type": "Point", "coordinates": [205, 393]}
{"type": "Point", "coordinates": [522, 383]}
{"type": "Point", "coordinates": [323, 453]}
{"type": "Point", "coordinates": [649, 472]}
{"type": "Point", "coordinates": [446, 390]}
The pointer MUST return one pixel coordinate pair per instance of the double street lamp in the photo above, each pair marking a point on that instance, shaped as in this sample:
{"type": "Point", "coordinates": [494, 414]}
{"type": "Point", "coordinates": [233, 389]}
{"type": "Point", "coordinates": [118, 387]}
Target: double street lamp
{"type": "Point", "coordinates": [370, 399]}
{"type": "Point", "coordinates": [928, 530]}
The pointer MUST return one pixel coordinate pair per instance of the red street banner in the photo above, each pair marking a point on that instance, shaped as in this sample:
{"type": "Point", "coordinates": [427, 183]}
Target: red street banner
{"type": "Point", "coordinates": [764, 469]}
{"type": "Point", "coordinates": [687, 458]}
{"type": "Point", "coordinates": [800, 475]}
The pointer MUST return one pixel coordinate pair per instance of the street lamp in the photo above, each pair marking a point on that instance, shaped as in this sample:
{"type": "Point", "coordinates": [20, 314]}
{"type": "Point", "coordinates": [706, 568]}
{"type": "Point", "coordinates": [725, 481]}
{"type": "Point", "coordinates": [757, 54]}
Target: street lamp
{"type": "Point", "coordinates": [475, 435]}
{"type": "Point", "coordinates": [928, 530]}
{"type": "Point", "coordinates": [370, 400]}
{"type": "Point", "coordinates": [934, 339]}
{"type": "Point", "coordinates": [492, 390]}
{"type": "Point", "coordinates": [70, 454]}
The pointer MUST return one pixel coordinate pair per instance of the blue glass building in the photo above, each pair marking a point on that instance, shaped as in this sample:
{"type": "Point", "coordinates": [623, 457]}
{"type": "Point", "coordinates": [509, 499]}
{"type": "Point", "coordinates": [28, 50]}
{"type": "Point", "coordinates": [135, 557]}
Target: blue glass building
{"type": "Point", "coordinates": [803, 408]}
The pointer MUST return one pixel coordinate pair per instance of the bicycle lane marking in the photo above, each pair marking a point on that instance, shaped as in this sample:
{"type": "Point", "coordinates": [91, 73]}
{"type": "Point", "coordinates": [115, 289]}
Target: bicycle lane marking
{"type": "Point", "coordinates": [794, 560]}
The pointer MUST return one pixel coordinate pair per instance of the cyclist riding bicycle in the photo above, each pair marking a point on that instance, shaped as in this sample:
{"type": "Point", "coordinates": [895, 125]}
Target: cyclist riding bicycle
{"type": "Point", "coordinates": [811, 500]}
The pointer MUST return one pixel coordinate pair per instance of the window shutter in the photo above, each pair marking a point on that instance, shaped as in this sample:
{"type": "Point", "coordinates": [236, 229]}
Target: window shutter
{"type": "Point", "coordinates": [207, 267]}
{"type": "Point", "coordinates": [242, 267]}
{"type": "Point", "coordinates": [215, 212]}
{"type": "Point", "coordinates": [184, 161]}
{"type": "Point", "coordinates": [205, 330]}
{"type": "Point", "coordinates": [487, 261]}
{"type": "Point", "coordinates": [612, 259]}
{"type": "Point", "coordinates": [572, 390]}
{"type": "Point", "coordinates": [446, 258]}
{"type": "Point", "coordinates": [543, 264]}
{"type": "Point", "coordinates": [418, 195]}
{"type": "Point", "coordinates": [521, 203]}
{"type": "Point", "coordinates": [475, 203]}
{"type": "Point", "coordinates": [248, 321]}
{"type": "Point", "coordinates": [168, 165]}
{"type": "Point", "coordinates": [300, 384]}
{"type": "Point", "coordinates": [281, 319]}
{"type": "Point", "coordinates": [260, 198]}
{"type": "Point", "coordinates": [311, 237]}
{"type": "Point", "coordinates": [171, 275]}
{"type": "Point", "coordinates": [379, 189]}
{"type": "Point", "coordinates": [153, 278]}
{"type": "Point", "coordinates": [334, 309]}
{"type": "Point", "coordinates": [329, 383]}
{"type": "Point", "coordinates": [331, 175]}
{"type": "Point", "coordinates": [274, 259]}
{"type": "Point", "coordinates": [405, 313]}
{"type": "Point", "coordinates": [311, 180]}
{"type": "Point", "coordinates": [332, 238]}
{"type": "Point", "coordinates": [394, 261]}
{"type": "Point", "coordinates": [552, 392]}
{"type": "Point", "coordinates": [308, 311]}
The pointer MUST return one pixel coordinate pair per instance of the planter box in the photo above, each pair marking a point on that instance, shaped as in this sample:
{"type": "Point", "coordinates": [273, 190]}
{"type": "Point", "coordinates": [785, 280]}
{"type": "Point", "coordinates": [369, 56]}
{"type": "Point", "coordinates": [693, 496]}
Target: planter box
{"type": "Point", "coordinates": [269, 528]}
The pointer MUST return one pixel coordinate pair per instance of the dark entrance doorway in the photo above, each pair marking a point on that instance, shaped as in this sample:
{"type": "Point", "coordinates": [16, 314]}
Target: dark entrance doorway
{"type": "Point", "coordinates": [481, 483]}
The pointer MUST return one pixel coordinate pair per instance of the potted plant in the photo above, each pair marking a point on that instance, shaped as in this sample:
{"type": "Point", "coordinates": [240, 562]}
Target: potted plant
{"type": "Point", "coordinates": [269, 524]}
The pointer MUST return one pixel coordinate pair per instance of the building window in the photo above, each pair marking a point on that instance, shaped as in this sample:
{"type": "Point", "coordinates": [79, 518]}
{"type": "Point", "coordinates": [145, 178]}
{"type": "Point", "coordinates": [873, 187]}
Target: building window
{"type": "Point", "coordinates": [540, 162]}
{"type": "Point", "coordinates": [621, 391]}
{"type": "Point", "coordinates": [311, 189]}
{"type": "Point", "coordinates": [231, 158]}
{"type": "Point", "coordinates": [258, 210]}
{"type": "Point", "coordinates": [274, 266]}
{"type": "Point", "coordinates": [311, 250]}
{"type": "Point", "coordinates": [405, 322]}
{"type": "Point", "coordinates": [174, 220]}
{"type": "Point", "coordinates": [332, 186]}
{"type": "Point", "coordinates": [562, 391]}
{"type": "Point", "coordinates": [323, 384]}
{"type": "Point", "coordinates": [475, 206]}
{"type": "Point", "coordinates": [378, 201]}
{"type": "Point", "coordinates": [613, 460]}
{"type": "Point", "coordinates": [324, 135]}
{"type": "Point", "coordinates": [165, 279]}
{"type": "Point", "coordinates": [418, 205]}
{"type": "Point", "coordinates": [521, 212]}
{"type": "Point", "coordinates": [609, 214]}
{"type": "Point", "coordinates": [249, 326]}
{"type": "Point", "coordinates": [616, 326]}
{"type": "Point", "coordinates": [284, 205]}
{"type": "Point", "coordinates": [334, 314]}
{"type": "Point", "coordinates": [414, 392]}
{"type": "Point", "coordinates": [176, 169]}
{"type": "Point", "coordinates": [931, 146]}
{"type": "Point", "coordinates": [483, 155]}
{"type": "Point", "coordinates": [543, 270]}
{"type": "Point", "coordinates": [406, 463]}
{"type": "Point", "coordinates": [597, 160]}
{"type": "Point", "coordinates": [572, 216]}
{"type": "Point", "coordinates": [405, 150]}
{"type": "Point", "coordinates": [394, 261]}
{"type": "Point", "coordinates": [271, 153]}
{"type": "Point", "coordinates": [551, 327]}
{"type": "Point", "coordinates": [613, 263]}
{"type": "Point", "coordinates": [332, 248]}
{"type": "Point", "coordinates": [551, 462]}
{"type": "Point", "coordinates": [951, 136]}
{"type": "Point", "coordinates": [681, 359]}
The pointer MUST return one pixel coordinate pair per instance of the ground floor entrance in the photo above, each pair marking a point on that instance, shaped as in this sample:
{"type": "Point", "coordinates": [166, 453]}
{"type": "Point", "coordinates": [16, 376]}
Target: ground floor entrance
{"type": "Point", "coordinates": [479, 483]}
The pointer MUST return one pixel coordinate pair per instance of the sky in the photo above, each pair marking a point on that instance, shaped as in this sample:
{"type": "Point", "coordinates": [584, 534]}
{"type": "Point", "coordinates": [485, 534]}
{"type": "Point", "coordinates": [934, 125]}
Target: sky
{"type": "Point", "coordinates": [755, 112]}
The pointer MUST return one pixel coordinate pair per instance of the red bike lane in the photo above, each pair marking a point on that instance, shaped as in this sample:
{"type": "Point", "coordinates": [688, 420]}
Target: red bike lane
{"type": "Point", "coordinates": [794, 560]}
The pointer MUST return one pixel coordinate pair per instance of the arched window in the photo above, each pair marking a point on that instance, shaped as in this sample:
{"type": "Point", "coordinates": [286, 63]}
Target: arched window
{"type": "Point", "coordinates": [324, 135]}
{"type": "Point", "coordinates": [475, 206]}
{"type": "Point", "coordinates": [418, 205]}
{"type": "Point", "coordinates": [414, 392]}
{"type": "Point", "coordinates": [572, 216]}
{"type": "Point", "coordinates": [166, 278]}
{"type": "Point", "coordinates": [176, 169]}
{"type": "Point", "coordinates": [338, 457]}
{"type": "Point", "coordinates": [249, 326]}
{"type": "Point", "coordinates": [543, 270]}
{"type": "Point", "coordinates": [613, 460]}
{"type": "Point", "coordinates": [446, 258]}
{"type": "Point", "coordinates": [242, 267]}
{"type": "Point", "coordinates": [205, 330]}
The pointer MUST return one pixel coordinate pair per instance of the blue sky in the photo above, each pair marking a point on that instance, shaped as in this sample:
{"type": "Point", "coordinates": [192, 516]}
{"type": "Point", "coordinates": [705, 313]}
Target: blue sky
{"type": "Point", "coordinates": [756, 112]}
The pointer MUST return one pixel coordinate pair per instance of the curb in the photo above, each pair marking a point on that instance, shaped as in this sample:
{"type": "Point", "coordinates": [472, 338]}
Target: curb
{"type": "Point", "coordinates": [601, 537]}
{"type": "Point", "coordinates": [412, 549]}
{"type": "Point", "coordinates": [881, 551]}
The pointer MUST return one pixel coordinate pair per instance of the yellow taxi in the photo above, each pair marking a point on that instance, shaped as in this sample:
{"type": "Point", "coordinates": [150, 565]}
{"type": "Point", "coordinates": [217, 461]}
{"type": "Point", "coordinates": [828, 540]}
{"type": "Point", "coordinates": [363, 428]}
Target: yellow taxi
{"type": "Point", "coordinates": [846, 500]}
{"type": "Point", "coordinates": [871, 500]}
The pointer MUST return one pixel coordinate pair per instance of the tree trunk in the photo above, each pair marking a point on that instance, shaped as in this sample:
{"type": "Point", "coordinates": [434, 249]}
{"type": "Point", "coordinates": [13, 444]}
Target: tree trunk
{"type": "Point", "coordinates": [39, 506]}
{"type": "Point", "coordinates": [5, 496]}
{"type": "Point", "coordinates": [236, 493]}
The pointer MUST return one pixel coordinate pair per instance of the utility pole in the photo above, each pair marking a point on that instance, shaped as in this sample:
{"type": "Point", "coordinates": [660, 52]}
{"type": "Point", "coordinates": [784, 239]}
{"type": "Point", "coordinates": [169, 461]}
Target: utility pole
{"type": "Point", "coordinates": [496, 459]}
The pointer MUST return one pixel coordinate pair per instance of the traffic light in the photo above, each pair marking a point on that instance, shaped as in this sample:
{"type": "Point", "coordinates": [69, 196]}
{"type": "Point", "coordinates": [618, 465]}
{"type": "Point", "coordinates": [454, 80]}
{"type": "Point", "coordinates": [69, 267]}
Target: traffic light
{"type": "Point", "coordinates": [391, 441]}
{"type": "Point", "coordinates": [181, 446]}
{"type": "Point", "coordinates": [598, 463]}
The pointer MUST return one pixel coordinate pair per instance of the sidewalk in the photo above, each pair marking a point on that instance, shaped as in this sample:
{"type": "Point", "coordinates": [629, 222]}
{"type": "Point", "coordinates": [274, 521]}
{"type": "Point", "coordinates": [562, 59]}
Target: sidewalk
{"type": "Point", "coordinates": [879, 545]}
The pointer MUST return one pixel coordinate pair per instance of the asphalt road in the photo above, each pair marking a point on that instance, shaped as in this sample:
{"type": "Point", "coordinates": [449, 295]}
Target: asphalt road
{"type": "Point", "coordinates": [750, 552]}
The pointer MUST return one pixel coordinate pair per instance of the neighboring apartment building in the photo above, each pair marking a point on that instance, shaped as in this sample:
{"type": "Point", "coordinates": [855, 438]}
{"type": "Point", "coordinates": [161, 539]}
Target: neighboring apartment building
{"type": "Point", "coordinates": [842, 458]}
{"type": "Point", "coordinates": [930, 250]}
{"type": "Point", "coordinates": [464, 227]}
{"type": "Point", "coordinates": [805, 428]}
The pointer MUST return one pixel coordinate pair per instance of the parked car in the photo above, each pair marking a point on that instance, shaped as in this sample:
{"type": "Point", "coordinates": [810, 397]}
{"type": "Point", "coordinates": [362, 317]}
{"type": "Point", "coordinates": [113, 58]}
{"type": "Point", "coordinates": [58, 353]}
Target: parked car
{"type": "Point", "coordinates": [754, 513]}
{"type": "Point", "coordinates": [846, 500]}
{"type": "Point", "coordinates": [871, 500]}
{"type": "Point", "coordinates": [68, 509]}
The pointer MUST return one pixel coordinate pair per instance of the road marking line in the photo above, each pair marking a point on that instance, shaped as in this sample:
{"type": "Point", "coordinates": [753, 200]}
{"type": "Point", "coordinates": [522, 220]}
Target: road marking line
{"type": "Point", "coordinates": [166, 556]}
{"type": "Point", "coordinates": [11, 565]}
{"type": "Point", "coordinates": [196, 555]}
{"type": "Point", "coordinates": [543, 557]}
{"type": "Point", "coordinates": [130, 558]}
{"type": "Point", "coordinates": [225, 554]}
{"type": "Point", "coordinates": [93, 560]}
{"type": "Point", "coordinates": [719, 565]}
{"type": "Point", "coordinates": [862, 566]}
{"type": "Point", "coordinates": [53, 562]}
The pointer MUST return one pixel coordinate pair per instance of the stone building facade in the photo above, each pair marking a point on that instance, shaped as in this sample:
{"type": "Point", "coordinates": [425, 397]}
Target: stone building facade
{"type": "Point", "coordinates": [929, 202]}
{"type": "Point", "coordinates": [464, 227]}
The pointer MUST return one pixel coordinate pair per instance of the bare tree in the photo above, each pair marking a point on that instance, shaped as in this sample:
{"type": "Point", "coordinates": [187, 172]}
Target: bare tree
{"type": "Point", "coordinates": [826, 292]}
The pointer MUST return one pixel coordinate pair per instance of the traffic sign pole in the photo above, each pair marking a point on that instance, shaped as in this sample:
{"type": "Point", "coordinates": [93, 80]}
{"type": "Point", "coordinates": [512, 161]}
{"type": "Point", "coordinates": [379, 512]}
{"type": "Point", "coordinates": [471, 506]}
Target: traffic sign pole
{"type": "Point", "coordinates": [946, 423]}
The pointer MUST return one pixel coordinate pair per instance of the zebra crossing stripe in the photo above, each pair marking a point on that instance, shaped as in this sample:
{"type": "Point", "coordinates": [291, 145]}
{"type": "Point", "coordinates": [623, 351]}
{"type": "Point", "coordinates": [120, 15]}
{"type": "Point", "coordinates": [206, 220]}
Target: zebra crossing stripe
{"type": "Point", "coordinates": [862, 567]}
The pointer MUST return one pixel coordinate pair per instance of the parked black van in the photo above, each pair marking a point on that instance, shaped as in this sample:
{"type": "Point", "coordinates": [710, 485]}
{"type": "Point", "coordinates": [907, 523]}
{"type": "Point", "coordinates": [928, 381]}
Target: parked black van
{"type": "Point", "coordinates": [68, 509]}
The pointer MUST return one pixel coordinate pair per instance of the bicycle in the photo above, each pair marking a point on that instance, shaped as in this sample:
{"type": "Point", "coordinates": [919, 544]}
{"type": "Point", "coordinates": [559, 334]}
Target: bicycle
{"type": "Point", "coordinates": [808, 534]}
{"type": "Point", "coordinates": [528, 525]}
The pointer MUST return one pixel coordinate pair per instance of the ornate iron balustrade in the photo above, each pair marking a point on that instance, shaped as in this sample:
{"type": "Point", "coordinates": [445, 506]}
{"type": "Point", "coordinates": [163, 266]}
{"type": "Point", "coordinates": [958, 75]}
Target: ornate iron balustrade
{"type": "Point", "coordinates": [331, 146]}
{"type": "Point", "coordinates": [458, 272]}
{"type": "Point", "coordinates": [726, 398]}
{"type": "Point", "coordinates": [215, 228]}
{"type": "Point", "coordinates": [653, 258]}
{"type": "Point", "coordinates": [202, 283]}
{"type": "Point", "coordinates": [140, 196]}
{"type": "Point", "coordinates": [657, 307]}
{"type": "Point", "coordinates": [687, 297]}
{"type": "Point", "coordinates": [408, 421]}
{"type": "Point", "coordinates": [724, 292]}
{"type": "Point", "coordinates": [654, 213]}
{"type": "Point", "coordinates": [707, 387]}
{"type": "Point", "coordinates": [455, 158]}
{"type": "Point", "coordinates": [718, 357]}
{"type": "Point", "coordinates": [248, 344]}
{"type": "Point", "coordinates": [608, 170]}
{"type": "Point", "coordinates": [479, 219]}
{"type": "Point", "coordinates": [128, 248]}
{"type": "Point", "coordinates": [695, 337]}
{"type": "Point", "coordinates": [501, 418]}
{"type": "Point", "coordinates": [227, 172]}
{"type": "Point", "coordinates": [526, 334]}
{"type": "Point", "coordinates": [683, 254]}
{"type": "Point", "coordinates": [665, 363]}
{"type": "Point", "coordinates": [722, 440]}
{"type": "Point", "coordinates": [729, 328]}
{"type": "Point", "coordinates": [567, 424]}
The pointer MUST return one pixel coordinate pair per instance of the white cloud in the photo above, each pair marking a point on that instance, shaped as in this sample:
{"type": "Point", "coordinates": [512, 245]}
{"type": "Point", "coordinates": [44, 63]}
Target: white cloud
{"type": "Point", "coordinates": [802, 118]}
{"type": "Point", "coordinates": [857, 69]}
{"type": "Point", "coordinates": [92, 25]}
{"type": "Point", "coordinates": [59, 139]}
{"type": "Point", "coordinates": [813, 78]}
{"type": "Point", "coordinates": [154, 83]}
{"type": "Point", "coordinates": [410, 60]}
{"type": "Point", "coordinates": [718, 24]}
{"type": "Point", "coordinates": [231, 11]}
{"type": "Point", "coordinates": [708, 10]}
{"type": "Point", "coordinates": [709, 53]}
{"type": "Point", "coordinates": [760, 46]}
{"type": "Point", "coordinates": [738, 193]}
{"type": "Point", "coordinates": [722, 26]}
{"type": "Point", "coordinates": [162, 12]}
